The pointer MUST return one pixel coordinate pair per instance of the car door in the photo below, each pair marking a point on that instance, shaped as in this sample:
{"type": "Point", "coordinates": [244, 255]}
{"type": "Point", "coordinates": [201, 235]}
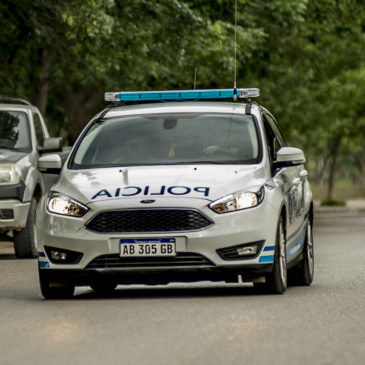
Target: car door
{"type": "Point", "coordinates": [293, 184]}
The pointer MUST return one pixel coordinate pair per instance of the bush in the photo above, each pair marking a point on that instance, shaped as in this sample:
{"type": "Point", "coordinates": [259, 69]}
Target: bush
{"type": "Point", "coordinates": [333, 203]}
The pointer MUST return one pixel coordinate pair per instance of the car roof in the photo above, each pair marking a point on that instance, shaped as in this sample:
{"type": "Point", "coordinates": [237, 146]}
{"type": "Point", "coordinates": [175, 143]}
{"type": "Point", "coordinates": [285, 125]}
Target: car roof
{"type": "Point", "coordinates": [176, 107]}
{"type": "Point", "coordinates": [18, 107]}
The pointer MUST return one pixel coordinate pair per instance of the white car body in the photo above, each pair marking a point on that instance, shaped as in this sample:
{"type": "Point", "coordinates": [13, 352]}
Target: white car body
{"type": "Point", "coordinates": [210, 252]}
{"type": "Point", "coordinates": [22, 134]}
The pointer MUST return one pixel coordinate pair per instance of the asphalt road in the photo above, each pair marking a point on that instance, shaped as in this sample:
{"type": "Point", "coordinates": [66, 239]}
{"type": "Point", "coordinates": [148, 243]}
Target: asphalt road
{"type": "Point", "coordinates": [199, 323]}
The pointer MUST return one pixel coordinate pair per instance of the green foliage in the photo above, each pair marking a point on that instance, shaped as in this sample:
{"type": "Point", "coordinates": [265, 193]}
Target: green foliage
{"type": "Point", "coordinates": [333, 203]}
{"type": "Point", "coordinates": [305, 55]}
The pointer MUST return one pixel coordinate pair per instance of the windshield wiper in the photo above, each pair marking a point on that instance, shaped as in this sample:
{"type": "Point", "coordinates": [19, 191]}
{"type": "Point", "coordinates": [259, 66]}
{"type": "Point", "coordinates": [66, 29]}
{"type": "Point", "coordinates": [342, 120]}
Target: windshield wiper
{"type": "Point", "coordinates": [203, 163]}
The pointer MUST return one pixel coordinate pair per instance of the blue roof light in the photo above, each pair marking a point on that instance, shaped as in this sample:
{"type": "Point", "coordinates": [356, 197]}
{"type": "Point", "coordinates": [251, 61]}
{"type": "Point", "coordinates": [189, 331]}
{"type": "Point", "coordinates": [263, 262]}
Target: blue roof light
{"type": "Point", "coordinates": [182, 95]}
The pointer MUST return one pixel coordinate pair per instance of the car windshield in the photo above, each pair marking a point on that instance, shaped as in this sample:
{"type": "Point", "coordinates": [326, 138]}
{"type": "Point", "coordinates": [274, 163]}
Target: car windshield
{"type": "Point", "coordinates": [169, 139]}
{"type": "Point", "coordinates": [14, 132]}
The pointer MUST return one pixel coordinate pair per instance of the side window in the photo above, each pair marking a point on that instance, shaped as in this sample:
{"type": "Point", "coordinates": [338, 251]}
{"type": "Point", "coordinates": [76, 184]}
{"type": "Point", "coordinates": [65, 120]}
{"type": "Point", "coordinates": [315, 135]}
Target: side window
{"type": "Point", "coordinates": [38, 129]}
{"type": "Point", "coordinates": [274, 136]}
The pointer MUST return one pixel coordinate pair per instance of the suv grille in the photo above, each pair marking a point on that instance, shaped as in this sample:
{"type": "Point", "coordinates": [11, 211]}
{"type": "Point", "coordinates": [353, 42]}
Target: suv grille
{"type": "Point", "coordinates": [148, 221]}
{"type": "Point", "coordinates": [6, 214]}
{"type": "Point", "coordinates": [181, 259]}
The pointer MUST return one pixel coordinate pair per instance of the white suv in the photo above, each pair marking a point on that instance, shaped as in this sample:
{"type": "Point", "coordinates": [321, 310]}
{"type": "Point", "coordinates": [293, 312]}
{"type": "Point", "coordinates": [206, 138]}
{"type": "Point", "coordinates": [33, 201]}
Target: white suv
{"type": "Point", "coordinates": [23, 137]}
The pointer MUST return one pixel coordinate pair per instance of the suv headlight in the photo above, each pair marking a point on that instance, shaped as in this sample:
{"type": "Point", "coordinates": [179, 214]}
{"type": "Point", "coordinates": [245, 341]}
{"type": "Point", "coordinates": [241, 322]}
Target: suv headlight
{"type": "Point", "coordinates": [64, 205]}
{"type": "Point", "coordinates": [237, 201]}
{"type": "Point", "coordinates": [9, 174]}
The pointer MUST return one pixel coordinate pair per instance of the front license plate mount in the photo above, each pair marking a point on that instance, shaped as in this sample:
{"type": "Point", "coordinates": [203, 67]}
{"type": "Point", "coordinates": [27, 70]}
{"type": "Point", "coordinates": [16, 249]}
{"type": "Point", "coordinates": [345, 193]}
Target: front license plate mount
{"type": "Point", "coordinates": [147, 247]}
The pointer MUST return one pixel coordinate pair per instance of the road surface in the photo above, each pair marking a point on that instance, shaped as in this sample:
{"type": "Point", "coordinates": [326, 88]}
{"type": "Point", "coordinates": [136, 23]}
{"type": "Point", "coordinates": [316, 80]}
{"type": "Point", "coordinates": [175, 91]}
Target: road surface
{"type": "Point", "coordinates": [198, 323]}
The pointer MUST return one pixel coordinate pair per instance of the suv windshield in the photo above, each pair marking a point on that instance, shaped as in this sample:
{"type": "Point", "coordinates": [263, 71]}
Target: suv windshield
{"type": "Point", "coordinates": [14, 132]}
{"type": "Point", "coordinates": [169, 139]}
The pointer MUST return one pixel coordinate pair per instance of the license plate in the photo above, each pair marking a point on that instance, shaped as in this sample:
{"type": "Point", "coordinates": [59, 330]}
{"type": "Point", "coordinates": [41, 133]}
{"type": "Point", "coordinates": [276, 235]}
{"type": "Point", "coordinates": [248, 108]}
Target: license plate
{"type": "Point", "coordinates": [147, 247]}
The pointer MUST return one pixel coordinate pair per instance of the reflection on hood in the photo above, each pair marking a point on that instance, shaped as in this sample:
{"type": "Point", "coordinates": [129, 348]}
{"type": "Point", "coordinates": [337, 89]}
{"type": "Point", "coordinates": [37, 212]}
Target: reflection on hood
{"type": "Point", "coordinates": [208, 182]}
{"type": "Point", "coordinates": [10, 156]}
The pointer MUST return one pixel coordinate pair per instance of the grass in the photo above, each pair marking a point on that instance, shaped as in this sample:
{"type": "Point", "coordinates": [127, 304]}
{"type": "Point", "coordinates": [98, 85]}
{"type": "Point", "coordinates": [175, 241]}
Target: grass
{"type": "Point", "coordinates": [340, 193]}
{"type": "Point", "coordinates": [333, 203]}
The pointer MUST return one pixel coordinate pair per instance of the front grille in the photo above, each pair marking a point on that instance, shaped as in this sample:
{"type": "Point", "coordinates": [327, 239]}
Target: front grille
{"type": "Point", "coordinates": [6, 214]}
{"type": "Point", "coordinates": [181, 259]}
{"type": "Point", "coordinates": [159, 220]}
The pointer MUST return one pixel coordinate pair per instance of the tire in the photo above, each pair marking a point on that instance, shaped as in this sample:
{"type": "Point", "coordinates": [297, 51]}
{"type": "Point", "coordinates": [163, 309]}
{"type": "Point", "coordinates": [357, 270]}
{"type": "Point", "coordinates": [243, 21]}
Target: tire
{"type": "Point", "coordinates": [104, 287]}
{"type": "Point", "coordinates": [53, 289]}
{"type": "Point", "coordinates": [25, 242]}
{"type": "Point", "coordinates": [304, 272]}
{"type": "Point", "coordinates": [277, 280]}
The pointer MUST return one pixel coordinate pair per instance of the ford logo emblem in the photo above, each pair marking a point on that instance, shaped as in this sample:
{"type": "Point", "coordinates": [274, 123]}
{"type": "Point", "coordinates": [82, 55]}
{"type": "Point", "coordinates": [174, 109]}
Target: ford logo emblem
{"type": "Point", "coordinates": [148, 201]}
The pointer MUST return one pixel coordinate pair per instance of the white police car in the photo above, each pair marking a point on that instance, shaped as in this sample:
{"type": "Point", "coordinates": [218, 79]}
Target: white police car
{"type": "Point", "coordinates": [177, 191]}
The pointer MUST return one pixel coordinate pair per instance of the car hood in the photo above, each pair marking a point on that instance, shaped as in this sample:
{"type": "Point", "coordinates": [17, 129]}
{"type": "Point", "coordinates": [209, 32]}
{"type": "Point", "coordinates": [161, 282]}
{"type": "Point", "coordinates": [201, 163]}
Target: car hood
{"type": "Point", "coordinates": [10, 156]}
{"type": "Point", "coordinates": [208, 182]}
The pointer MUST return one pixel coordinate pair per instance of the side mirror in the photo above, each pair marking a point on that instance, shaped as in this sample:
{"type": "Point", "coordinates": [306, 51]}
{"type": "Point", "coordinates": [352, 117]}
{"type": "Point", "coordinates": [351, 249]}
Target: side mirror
{"type": "Point", "coordinates": [50, 164]}
{"type": "Point", "coordinates": [53, 144]}
{"type": "Point", "coordinates": [289, 156]}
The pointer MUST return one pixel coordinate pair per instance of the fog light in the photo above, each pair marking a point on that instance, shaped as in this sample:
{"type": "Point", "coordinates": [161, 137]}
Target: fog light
{"type": "Point", "coordinates": [56, 255]}
{"type": "Point", "coordinates": [62, 256]}
{"type": "Point", "coordinates": [244, 251]}
{"type": "Point", "coordinates": [247, 251]}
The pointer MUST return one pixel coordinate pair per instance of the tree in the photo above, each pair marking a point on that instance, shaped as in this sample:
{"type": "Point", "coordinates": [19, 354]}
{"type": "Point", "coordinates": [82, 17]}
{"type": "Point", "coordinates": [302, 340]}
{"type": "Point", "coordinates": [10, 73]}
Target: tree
{"type": "Point", "coordinates": [305, 55]}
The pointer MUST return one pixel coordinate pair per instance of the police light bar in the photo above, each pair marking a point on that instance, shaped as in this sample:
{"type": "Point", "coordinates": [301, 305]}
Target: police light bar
{"type": "Point", "coordinates": [182, 95]}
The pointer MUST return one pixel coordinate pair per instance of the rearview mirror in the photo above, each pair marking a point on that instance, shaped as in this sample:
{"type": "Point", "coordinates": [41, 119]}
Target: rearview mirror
{"type": "Point", "coordinates": [50, 164]}
{"type": "Point", "coordinates": [289, 156]}
{"type": "Point", "coordinates": [53, 144]}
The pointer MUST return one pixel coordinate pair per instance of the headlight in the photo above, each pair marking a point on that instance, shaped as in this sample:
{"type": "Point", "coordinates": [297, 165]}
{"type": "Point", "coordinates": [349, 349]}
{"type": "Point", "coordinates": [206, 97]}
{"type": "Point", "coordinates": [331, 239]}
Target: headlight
{"type": "Point", "coordinates": [64, 205]}
{"type": "Point", "coordinates": [9, 175]}
{"type": "Point", "coordinates": [237, 201]}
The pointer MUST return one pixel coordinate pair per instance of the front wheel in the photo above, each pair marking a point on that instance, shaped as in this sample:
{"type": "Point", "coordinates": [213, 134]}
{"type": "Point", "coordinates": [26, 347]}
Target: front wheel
{"type": "Point", "coordinates": [277, 280]}
{"type": "Point", "coordinates": [104, 287]}
{"type": "Point", "coordinates": [304, 272]}
{"type": "Point", "coordinates": [53, 289]}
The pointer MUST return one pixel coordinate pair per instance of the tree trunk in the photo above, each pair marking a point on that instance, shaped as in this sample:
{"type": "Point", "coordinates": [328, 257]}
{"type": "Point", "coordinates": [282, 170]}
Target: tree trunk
{"type": "Point", "coordinates": [333, 162]}
{"type": "Point", "coordinates": [360, 161]}
{"type": "Point", "coordinates": [319, 172]}
{"type": "Point", "coordinates": [42, 81]}
{"type": "Point", "coordinates": [79, 107]}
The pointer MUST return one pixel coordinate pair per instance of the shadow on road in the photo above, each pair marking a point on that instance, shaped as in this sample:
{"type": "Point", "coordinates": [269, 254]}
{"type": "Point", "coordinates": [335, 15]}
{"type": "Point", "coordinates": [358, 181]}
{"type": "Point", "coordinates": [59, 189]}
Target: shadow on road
{"type": "Point", "coordinates": [174, 292]}
{"type": "Point", "coordinates": [7, 256]}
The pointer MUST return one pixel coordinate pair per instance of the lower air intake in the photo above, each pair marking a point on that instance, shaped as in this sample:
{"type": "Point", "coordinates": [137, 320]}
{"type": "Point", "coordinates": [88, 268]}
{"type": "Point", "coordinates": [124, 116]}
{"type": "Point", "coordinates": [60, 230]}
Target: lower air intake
{"type": "Point", "coordinates": [181, 259]}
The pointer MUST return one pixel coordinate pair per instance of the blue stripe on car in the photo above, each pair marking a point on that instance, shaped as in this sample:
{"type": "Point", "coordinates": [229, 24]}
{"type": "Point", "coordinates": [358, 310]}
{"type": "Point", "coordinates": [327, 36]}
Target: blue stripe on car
{"type": "Point", "coordinates": [267, 259]}
{"type": "Point", "coordinates": [43, 264]}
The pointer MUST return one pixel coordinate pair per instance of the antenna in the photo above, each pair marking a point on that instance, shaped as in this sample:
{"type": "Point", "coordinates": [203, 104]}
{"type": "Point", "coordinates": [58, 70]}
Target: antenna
{"type": "Point", "coordinates": [235, 46]}
{"type": "Point", "coordinates": [196, 71]}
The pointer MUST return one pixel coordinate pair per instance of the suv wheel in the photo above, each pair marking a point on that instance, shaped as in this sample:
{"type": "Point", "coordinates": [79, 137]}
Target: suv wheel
{"type": "Point", "coordinates": [25, 242]}
{"type": "Point", "coordinates": [53, 289]}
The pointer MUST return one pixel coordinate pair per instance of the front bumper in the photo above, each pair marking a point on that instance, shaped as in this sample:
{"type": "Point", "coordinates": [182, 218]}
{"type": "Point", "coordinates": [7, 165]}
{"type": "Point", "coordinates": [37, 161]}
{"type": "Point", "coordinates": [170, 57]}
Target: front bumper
{"type": "Point", "coordinates": [229, 230]}
{"type": "Point", "coordinates": [13, 214]}
{"type": "Point", "coordinates": [156, 276]}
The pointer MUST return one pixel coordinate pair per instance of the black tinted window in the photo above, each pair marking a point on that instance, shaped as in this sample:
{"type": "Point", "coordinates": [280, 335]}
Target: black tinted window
{"type": "Point", "coordinates": [14, 131]}
{"type": "Point", "coordinates": [38, 129]}
{"type": "Point", "coordinates": [274, 136]}
{"type": "Point", "coordinates": [169, 139]}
